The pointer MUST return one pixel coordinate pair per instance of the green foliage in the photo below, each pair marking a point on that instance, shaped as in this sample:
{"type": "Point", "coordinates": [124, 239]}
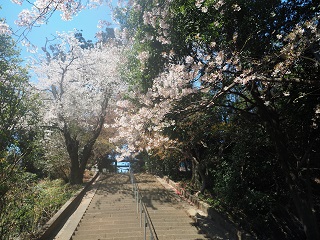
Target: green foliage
{"type": "Point", "coordinates": [13, 208]}
{"type": "Point", "coordinates": [153, 164]}
{"type": "Point", "coordinates": [139, 74]}
{"type": "Point", "coordinates": [249, 186]}
{"type": "Point", "coordinates": [54, 163]}
{"type": "Point", "coordinates": [30, 203]}
{"type": "Point", "coordinates": [23, 206]}
{"type": "Point", "coordinates": [19, 113]}
{"type": "Point", "coordinates": [259, 139]}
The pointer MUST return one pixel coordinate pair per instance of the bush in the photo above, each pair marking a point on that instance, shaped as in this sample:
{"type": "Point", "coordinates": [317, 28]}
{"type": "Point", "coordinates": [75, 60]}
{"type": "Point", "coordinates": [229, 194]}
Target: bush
{"type": "Point", "coordinates": [29, 204]}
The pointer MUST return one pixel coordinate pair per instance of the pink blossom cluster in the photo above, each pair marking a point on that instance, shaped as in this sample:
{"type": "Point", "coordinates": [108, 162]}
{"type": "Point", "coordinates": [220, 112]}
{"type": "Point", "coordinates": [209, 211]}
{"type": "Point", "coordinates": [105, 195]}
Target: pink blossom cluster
{"type": "Point", "coordinates": [41, 10]}
{"type": "Point", "coordinates": [141, 127]}
{"type": "Point", "coordinates": [157, 18]}
{"type": "Point", "coordinates": [4, 29]}
{"type": "Point", "coordinates": [78, 85]}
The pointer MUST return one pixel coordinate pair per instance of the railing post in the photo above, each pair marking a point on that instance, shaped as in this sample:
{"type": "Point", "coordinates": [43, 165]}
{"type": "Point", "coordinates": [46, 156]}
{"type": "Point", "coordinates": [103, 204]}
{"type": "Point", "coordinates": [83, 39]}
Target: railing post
{"type": "Point", "coordinates": [132, 182]}
{"type": "Point", "coordinates": [137, 200]}
{"type": "Point", "coordinates": [141, 210]}
{"type": "Point", "coordinates": [147, 221]}
{"type": "Point", "coordinates": [145, 226]}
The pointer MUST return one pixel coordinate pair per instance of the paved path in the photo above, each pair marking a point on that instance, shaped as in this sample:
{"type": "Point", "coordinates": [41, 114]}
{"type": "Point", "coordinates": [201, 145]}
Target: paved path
{"type": "Point", "coordinates": [171, 215]}
{"type": "Point", "coordinates": [110, 212]}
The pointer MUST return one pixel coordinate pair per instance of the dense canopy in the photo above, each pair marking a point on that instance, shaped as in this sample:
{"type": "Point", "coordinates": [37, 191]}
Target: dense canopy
{"type": "Point", "coordinates": [222, 95]}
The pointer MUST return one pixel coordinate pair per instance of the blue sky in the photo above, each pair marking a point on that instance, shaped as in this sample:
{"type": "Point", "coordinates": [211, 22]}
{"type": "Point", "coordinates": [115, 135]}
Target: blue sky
{"type": "Point", "coordinates": [86, 21]}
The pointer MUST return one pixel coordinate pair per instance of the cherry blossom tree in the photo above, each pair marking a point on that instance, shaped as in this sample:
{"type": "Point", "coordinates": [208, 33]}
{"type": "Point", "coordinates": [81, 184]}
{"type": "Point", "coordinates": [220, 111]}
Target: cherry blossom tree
{"type": "Point", "coordinates": [78, 85]}
{"type": "Point", "coordinates": [263, 58]}
{"type": "Point", "coordinates": [41, 10]}
{"type": "Point", "coordinates": [257, 59]}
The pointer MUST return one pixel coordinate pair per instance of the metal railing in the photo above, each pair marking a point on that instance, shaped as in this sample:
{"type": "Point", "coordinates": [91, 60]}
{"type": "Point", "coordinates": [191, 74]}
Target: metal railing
{"type": "Point", "coordinates": [142, 211]}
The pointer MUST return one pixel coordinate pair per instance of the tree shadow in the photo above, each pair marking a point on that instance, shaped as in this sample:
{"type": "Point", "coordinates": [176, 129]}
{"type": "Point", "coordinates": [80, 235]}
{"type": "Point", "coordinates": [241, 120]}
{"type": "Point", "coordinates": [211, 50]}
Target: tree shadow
{"type": "Point", "coordinates": [113, 188]}
{"type": "Point", "coordinates": [211, 229]}
{"type": "Point", "coordinates": [155, 195]}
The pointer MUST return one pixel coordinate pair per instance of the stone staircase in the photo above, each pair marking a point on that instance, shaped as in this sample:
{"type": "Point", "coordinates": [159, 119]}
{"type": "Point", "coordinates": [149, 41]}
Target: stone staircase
{"type": "Point", "coordinates": [112, 212]}
{"type": "Point", "coordinates": [167, 211]}
{"type": "Point", "coordinates": [170, 223]}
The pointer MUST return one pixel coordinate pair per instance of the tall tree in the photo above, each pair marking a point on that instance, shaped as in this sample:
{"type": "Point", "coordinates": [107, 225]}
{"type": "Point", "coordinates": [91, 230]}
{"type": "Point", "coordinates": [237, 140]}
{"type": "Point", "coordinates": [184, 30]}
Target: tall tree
{"type": "Point", "coordinates": [261, 56]}
{"type": "Point", "coordinates": [19, 132]}
{"type": "Point", "coordinates": [19, 110]}
{"type": "Point", "coordinates": [78, 85]}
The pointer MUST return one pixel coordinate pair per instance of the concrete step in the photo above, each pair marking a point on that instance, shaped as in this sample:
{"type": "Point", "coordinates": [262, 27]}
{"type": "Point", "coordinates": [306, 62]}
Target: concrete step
{"type": "Point", "coordinates": [111, 214]}
{"type": "Point", "coordinates": [109, 231]}
{"type": "Point", "coordinates": [113, 197]}
{"type": "Point", "coordinates": [107, 214]}
{"type": "Point", "coordinates": [106, 226]}
{"type": "Point", "coordinates": [112, 201]}
{"type": "Point", "coordinates": [126, 205]}
{"type": "Point", "coordinates": [179, 225]}
{"type": "Point", "coordinates": [116, 210]}
{"type": "Point", "coordinates": [177, 232]}
{"type": "Point", "coordinates": [111, 205]}
{"type": "Point", "coordinates": [181, 236]}
{"type": "Point", "coordinates": [123, 238]}
{"type": "Point", "coordinates": [161, 219]}
{"type": "Point", "coordinates": [88, 222]}
{"type": "Point", "coordinates": [177, 228]}
{"type": "Point", "coordinates": [110, 221]}
{"type": "Point", "coordinates": [110, 238]}
{"type": "Point", "coordinates": [128, 215]}
{"type": "Point", "coordinates": [126, 236]}
{"type": "Point", "coordinates": [168, 216]}
{"type": "Point", "coordinates": [129, 235]}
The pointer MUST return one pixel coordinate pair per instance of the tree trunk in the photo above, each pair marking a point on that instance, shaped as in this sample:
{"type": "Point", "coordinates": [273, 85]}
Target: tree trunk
{"type": "Point", "coordinates": [79, 159]}
{"type": "Point", "coordinates": [76, 174]}
{"type": "Point", "coordinates": [198, 175]}
{"type": "Point", "coordinates": [194, 172]}
{"type": "Point", "coordinates": [198, 171]}
{"type": "Point", "coordinates": [202, 174]}
{"type": "Point", "coordinates": [73, 151]}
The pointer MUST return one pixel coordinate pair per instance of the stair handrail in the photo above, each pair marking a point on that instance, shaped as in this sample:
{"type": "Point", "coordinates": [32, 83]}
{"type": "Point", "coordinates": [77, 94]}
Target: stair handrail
{"type": "Point", "coordinates": [141, 208]}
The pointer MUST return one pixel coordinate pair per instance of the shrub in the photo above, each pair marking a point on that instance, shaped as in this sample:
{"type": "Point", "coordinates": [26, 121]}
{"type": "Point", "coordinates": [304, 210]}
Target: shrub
{"type": "Point", "coordinates": [29, 204]}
